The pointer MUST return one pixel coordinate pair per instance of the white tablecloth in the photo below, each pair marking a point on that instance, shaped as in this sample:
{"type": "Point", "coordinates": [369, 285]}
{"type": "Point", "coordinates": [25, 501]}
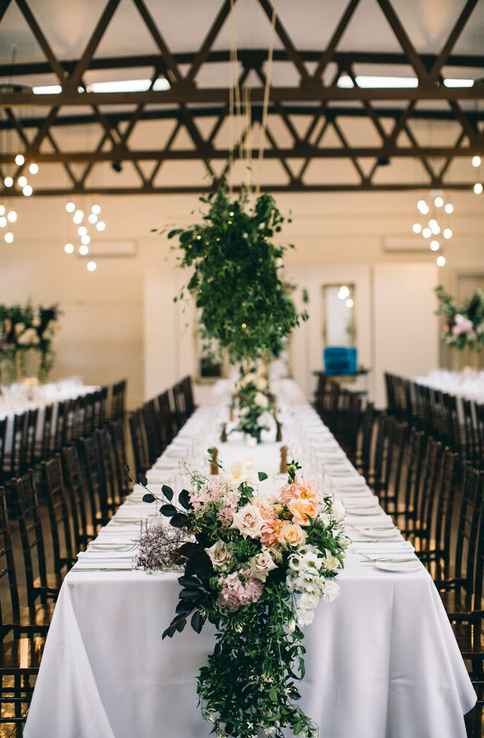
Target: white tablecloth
{"type": "Point", "coordinates": [18, 398]}
{"type": "Point", "coordinates": [467, 383]}
{"type": "Point", "coordinates": [382, 661]}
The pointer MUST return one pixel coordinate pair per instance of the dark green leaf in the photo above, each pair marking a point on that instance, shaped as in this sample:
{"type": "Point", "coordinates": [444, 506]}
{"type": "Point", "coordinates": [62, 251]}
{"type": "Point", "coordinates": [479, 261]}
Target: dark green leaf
{"type": "Point", "coordinates": [167, 491]}
{"type": "Point", "coordinates": [168, 510]}
{"type": "Point", "coordinates": [148, 497]}
{"type": "Point", "coordinates": [262, 476]}
{"type": "Point", "coordinates": [179, 520]}
{"type": "Point", "coordinates": [184, 499]}
{"type": "Point", "coordinates": [198, 621]}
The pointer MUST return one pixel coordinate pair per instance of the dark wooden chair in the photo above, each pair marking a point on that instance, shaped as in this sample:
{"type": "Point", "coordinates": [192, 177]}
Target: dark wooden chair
{"type": "Point", "coordinates": [139, 445]}
{"type": "Point", "coordinates": [100, 512]}
{"type": "Point", "coordinates": [3, 441]}
{"type": "Point", "coordinates": [46, 445]}
{"type": "Point", "coordinates": [117, 430]}
{"type": "Point", "coordinates": [21, 643]}
{"type": "Point", "coordinates": [59, 518]}
{"type": "Point", "coordinates": [77, 493]}
{"type": "Point", "coordinates": [108, 469]}
{"type": "Point", "coordinates": [118, 400]}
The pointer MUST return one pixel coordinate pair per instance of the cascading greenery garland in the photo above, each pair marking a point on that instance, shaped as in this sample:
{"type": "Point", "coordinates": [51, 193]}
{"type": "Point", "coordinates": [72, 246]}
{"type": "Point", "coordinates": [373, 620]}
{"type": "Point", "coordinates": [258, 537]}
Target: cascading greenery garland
{"type": "Point", "coordinates": [244, 304]}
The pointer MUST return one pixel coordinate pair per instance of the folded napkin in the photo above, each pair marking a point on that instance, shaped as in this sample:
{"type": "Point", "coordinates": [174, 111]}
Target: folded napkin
{"type": "Point", "coordinates": [371, 548]}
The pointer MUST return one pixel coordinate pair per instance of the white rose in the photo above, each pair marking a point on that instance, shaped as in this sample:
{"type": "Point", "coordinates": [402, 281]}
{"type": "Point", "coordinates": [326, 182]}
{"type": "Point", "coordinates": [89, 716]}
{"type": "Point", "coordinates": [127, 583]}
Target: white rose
{"type": "Point", "coordinates": [261, 565]}
{"type": "Point", "coordinates": [305, 617]}
{"type": "Point", "coordinates": [249, 521]}
{"type": "Point", "coordinates": [331, 590]}
{"type": "Point", "coordinates": [219, 554]}
{"type": "Point", "coordinates": [330, 562]}
{"type": "Point", "coordinates": [310, 561]}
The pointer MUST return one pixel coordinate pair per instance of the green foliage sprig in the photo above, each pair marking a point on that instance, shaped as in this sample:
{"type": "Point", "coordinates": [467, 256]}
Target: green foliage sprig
{"type": "Point", "coordinates": [244, 304]}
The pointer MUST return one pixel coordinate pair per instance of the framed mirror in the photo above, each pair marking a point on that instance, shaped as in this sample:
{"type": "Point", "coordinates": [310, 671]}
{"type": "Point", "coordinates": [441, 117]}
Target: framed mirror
{"type": "Point", "coordinates": [339, 314]}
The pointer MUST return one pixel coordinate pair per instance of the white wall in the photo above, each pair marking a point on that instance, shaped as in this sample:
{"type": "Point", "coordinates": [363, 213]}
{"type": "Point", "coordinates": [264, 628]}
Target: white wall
{"type": "Point", "coordinates": [122, 315]}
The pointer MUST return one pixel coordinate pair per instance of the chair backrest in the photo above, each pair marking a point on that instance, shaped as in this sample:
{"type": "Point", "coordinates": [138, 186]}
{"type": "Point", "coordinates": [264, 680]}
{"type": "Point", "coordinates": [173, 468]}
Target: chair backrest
{"type": "Point", "coordinates": [108, 466]}
{"type": "Point", "coordinates": [150, 412]}
{"type": "Point", "coordinates": [9, 592]}
{"type": "Point", "coordinates": [31, 437]}
{"type": "Point", "coordinates": [100, 403]}
{"type": "Point", "coordinates": [468, 527]}
{"type": "Point", "coordinates": [117, 430]}
{"type": "Point", "coordinates": [139, 444]}
{"type": "Point", "coordinates": [32, 539]}
{"type": "Point", "coordinates": [77, 492]}
{"type": "Point", "coordinates": [61, 425]}
{"type": "Point", "coordinates": [118, 399]}
{"type": "Point", "coordinates": [179, 402]}
{"type": "Point", "coordinates": [58, 516]}
{"type": "Point", "coordinates": [166, 419]}
{"type": "Point", "coordinates": [18, 450]}
{"type": "Point", "coordinates": [96, 485]}
{"type": "Point", "coordinates": [187, 385]}
{"type": "Point", "coordinates": [47, 439]}
{"type": "Point", "coordinates": [3, 441]}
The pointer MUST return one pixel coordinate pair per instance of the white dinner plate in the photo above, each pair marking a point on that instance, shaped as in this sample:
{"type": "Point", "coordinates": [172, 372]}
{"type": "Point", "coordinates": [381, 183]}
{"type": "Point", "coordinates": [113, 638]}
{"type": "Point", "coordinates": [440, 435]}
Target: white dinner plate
{"type": "Point", "coordinates": [379, 533]}
{"type": "Point", "coordinates": [398, 566]}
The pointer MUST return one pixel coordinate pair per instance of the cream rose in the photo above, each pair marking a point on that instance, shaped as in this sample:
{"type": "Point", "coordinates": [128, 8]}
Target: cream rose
{"type": "Point", "coordinates": [261, 565]}
{"type": "Point", "coordinates": [330, 562]}
{"type": "Point", "coordinates": [219, 554]}
{"type": "Point", "coordinates": [249, 521]}
{"type": "Point", "coordinates": [292, 534]}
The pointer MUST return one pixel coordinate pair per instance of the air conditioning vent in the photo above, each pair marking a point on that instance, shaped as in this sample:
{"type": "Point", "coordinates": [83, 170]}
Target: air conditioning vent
{"type": "Point", "coordinates": [112, 249]}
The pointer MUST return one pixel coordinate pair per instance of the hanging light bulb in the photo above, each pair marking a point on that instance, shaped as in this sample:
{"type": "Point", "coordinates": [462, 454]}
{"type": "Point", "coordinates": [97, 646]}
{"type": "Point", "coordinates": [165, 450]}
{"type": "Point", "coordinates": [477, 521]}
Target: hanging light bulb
{"type": "Point", "coordinates": [12, 216]}
{"type": "Point", "coordinates": [69, 248]}
{"type": "Point", "coordinates": [70, 206]}
{"type": "Point", "coordinates": [417, 228]}
{"type": "Point", "coordinates": [100, 225]}
{"type": "Point", "coordinates": [476, 161]}
{"type": "Point", "coordinates": [422, 207]}
{"type": "Point", "coordinates": [78, 217]}
{"type": "Point", "coordinates": [27, 190]}
{"type": "Point", "coordinates": [19, 160]}
{"type": "Point", "coordinates": [8, 181]}
{"type": "Point", "coordinates": [448, 208]}
{"type": "Point", "coordinates": [96, 209]}
{"type": "Point", "coordinates": [438, 201]}
{"type": "Point", "coordinates": [9, 237]}
{"type": "Point", "coordinates": [82, 230]}
{"type": "Point", "coordinates": [447, 233]}
{"type": "Point", "coordinates": [441, 260]}
{"type": "Point", "coordinates": [3, 221]}
{"type": "Point", "coordinates": [434, 226]}
{"type": "Point", "coordinates": [33, 168]}
{"type": "Point", "coordinates": [426, 233]}
{"type": "Point", "coordinates": [434, 245]}
{"type": "Point", "coordinates": [477, 188]}
{"type": "Point", "coordinates": [22, 181]}
{"type": "Point", "coordinates": [92, 218]}
{"type": "Point", "coordinates": [85, 239]}
{"type": "Point", "coordinates": [91, 266]}
{"type": "Point", "coordinates": [84, 249]}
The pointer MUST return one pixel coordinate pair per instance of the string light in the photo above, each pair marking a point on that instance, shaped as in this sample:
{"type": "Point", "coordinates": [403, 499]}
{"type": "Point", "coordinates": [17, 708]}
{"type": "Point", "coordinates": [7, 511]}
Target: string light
{"type": "Point", "coordinates": [70, 206]}
{"type": "Point", "coordinates": [417, 228]}
{"type": "Point", "coordinates": [92, 218]}
{"type": "Point", "coordinates": [447, 233]}
{"type": "Point", "coordinates": [8, 181]}
{"type": "Point", "coordinates": [9, 237]}
{"type": "Point", "coordinates": [100, 225]}
{"type": "Point", "coordinates": [477, 188]}
{"type": "Point", "coordinates": [3, 221]}
{"type": "Point", "coordinates": [83, 249]}
{"type": "Point", "coordinates": [441, 260]}
{"type": "Point", "coordinates": [439, 201]}
{"type": "Point", "coordinates": [78, 217]}
{"type": "Point", "coordinates": [85, 240]}
{"type": "Point", "coordinates": [82, 230]}
{"type": "Point", "coordinates": [91, 266]}
{"type": "Point", "coordinates": [96, 209]}
{"type": "Point", "coordinates": [20, 160]}
{"type": "Point", "coordinates": [22, 181]}
{"type": "Point", "coordinates": [33, 168]}
{"type": "Point", "coordinates": [476, 161]}
{"type": "Point", "coordinates": [12, 216]}
{"type": "Point", "coordinates": [434, 245]}
{"type": "Point", "coordinates": [426, 233]}
{"type": "Point", "coordinates": [448, 208]}
{"type": "Point", "coordinates": [69, 248]}
{"type": "Point", "coordinates": [27, 190]}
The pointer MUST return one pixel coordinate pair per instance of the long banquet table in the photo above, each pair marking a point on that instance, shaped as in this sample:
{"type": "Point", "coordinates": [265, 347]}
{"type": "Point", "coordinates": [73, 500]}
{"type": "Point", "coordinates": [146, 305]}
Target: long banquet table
{"type": "Point", "coordinates": [382, 660]}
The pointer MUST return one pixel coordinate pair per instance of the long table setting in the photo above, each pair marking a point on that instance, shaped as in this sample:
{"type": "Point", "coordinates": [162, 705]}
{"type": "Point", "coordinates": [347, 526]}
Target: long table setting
{"type": "Point", "coordinates": [468, 383]}
{"type": "Point", "coordinates": [30, 395]}
{"type": "Point", "coordinates": [381, 657]}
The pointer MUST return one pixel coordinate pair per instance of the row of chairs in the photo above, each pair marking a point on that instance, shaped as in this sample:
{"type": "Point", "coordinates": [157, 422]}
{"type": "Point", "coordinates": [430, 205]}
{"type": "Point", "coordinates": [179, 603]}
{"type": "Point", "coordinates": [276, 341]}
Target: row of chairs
{"type": "Point", "coordinates": [436, 498]}
{"type": "Point", "coordinates": [341, 409]}
{"type": "Point", "coordinates": [36, 435]}
{"type": "Point", "coordinates": [60, 504]}
{"type": "Point", "coordinates": [154, 425]}
{"type": "Point", "coordinates": [456, 421]}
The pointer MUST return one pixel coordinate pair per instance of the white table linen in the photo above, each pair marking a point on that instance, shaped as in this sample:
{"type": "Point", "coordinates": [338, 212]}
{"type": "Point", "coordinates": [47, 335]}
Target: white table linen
{"type": "Point", "coordinates": [467, 383]}
{"type": "Point", "coordinates": [19, 397]}
{"type": "Point", "coordinates": [382, 661]}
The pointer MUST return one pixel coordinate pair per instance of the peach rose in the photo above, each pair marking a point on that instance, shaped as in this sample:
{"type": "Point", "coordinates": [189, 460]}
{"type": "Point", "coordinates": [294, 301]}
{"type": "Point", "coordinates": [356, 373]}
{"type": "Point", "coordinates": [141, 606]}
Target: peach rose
{"type": "Point", "coordinates": [298, 491]}
{"type": "Point", "coordinates": [271, 532]}
{"type": "Point", "coordinates": [303, 510]}
{"type": "Point", "coordinates": [292, 534]}
{"type": "Point", "coordinates": [290, 492]}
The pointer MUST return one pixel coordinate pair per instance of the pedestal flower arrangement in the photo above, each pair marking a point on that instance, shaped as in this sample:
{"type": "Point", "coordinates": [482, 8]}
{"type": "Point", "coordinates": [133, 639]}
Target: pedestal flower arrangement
{"type": "Point", "coordinates": [464, 324]}
{"type": "Point", "coordinates": [256, 566]}
{"type": "Point", "coordinates": [25, 330]}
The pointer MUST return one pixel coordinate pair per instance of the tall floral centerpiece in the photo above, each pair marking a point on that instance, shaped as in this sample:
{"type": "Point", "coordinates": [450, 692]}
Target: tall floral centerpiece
{"type": "Point", "coordinates": [464, 324]}
{"type": "Point", "coordinates": [245, 306]}
{"type": "Point", "coordinates": [25, 330]}
{"type": "Point", "coordinates": [256, 564]}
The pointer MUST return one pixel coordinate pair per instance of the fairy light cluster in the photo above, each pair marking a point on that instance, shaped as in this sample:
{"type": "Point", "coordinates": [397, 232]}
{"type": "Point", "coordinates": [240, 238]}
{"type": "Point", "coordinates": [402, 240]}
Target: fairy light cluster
{"type": "Point", "coordinates": [22, 182]}
{"type": "Point", "coordinates": [83, 223]}
{"type": "Point", "coordinates": [435, 228]}
{"type": "Point", "coordinates": [7, 219]}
